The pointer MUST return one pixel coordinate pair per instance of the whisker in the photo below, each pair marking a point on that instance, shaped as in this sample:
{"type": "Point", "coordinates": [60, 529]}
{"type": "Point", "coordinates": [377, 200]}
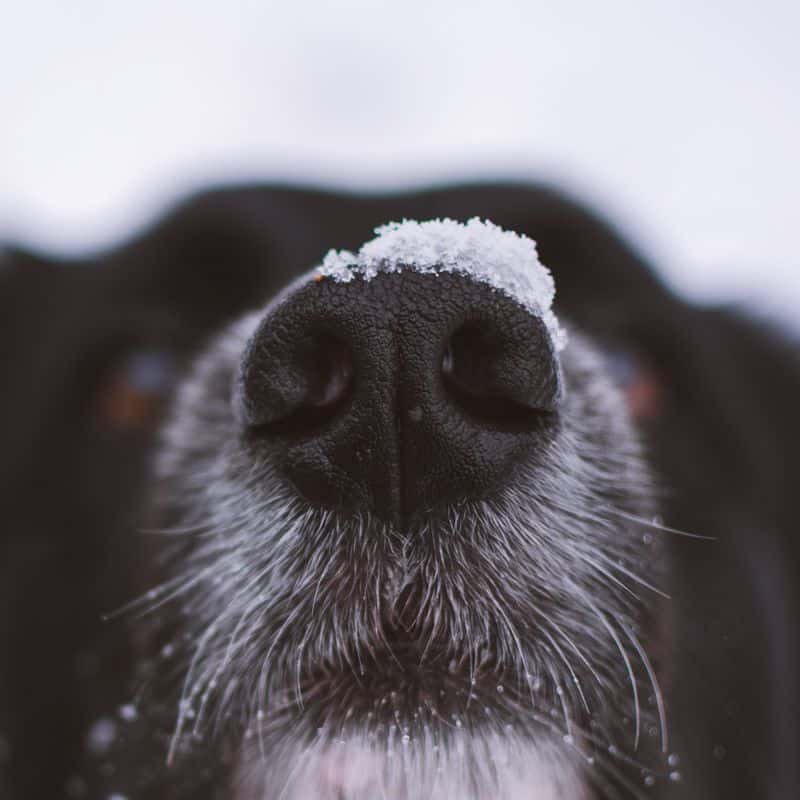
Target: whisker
{"type": "Point", "coordinates": [657, 526]}
{"type": "Point", "coordinates": [662, 717]}
{"type": "Point", "coordinates": [632, 575]}
{"type": "Point", "coordinates": [607, 625]}
{"type": "Point", "coordinates": [613, 578]}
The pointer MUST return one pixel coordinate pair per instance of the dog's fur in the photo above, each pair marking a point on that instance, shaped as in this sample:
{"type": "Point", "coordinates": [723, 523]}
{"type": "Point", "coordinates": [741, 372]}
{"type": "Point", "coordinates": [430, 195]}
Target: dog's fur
{"type": "Point", "coordinates": [719, 433]}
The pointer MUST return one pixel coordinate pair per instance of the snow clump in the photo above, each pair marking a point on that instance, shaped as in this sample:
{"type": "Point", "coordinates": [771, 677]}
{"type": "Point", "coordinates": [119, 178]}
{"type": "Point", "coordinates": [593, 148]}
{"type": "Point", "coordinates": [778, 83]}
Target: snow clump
{"type": "Point", "coordinates": [504, 260]}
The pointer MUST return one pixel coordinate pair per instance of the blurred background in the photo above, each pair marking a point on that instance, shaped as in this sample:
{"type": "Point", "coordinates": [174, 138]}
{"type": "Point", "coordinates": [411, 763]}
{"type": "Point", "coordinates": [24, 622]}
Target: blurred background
{"type": "Point", "coordinates": [678, 120]}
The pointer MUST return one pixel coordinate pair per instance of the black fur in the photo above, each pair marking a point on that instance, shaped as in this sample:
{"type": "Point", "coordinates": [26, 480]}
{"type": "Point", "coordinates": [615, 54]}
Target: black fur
{"type": "Point", "coordinates": [725, 444]}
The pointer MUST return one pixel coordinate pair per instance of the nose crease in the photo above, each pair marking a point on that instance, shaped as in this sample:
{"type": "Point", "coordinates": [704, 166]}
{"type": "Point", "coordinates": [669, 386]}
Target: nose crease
{"type": "Point", "coordinates": [399, 431]}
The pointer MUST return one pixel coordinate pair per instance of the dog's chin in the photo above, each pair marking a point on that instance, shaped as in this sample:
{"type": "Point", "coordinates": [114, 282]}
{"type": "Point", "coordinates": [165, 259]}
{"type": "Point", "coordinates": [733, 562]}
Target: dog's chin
{"type": "Point", "coordinates": [356, 765]}
{"type": "Point", "coordinates": [411, 718]}
{"type": "Point", "coordinates": [409, 724]}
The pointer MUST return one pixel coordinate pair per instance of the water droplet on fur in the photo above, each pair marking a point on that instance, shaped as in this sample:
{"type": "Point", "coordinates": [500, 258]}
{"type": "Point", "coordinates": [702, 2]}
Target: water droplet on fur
{"type": "Point", "coordinates": [406, 738]}
{"type": "Point", "coordinates": [673, 760]}
{"type": "Point", "coordinates": [101, 736]}
{"type": "Point", "coordinates": [649, 780]}
{"type": "Point", "coordinates": [559, 691]}
{"type": "Point", "coordinates": [128, 712]}
{"type": "Point", "coordinates": [675, 776]}
{"type": "Point", "coordinates": [167, 650]}
{"type": "Point", "coordinates": [500, 688]}
{"type": "Point", "coordinates": [647, 538]}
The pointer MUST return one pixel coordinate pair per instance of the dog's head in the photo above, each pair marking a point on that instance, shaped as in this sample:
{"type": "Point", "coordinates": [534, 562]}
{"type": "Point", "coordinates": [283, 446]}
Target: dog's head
{"type": "Point", "coordinates": [407, 541]}
{"type": "Point", "coordinates": [415, 543]}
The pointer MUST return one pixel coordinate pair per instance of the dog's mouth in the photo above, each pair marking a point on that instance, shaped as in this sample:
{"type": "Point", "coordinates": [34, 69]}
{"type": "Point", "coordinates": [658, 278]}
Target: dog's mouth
{"type": "Point", "coordinates": [469, 621]}
{"type": "Point", "coordinates": [407, 664]}
{"type": "Point", "coordinates": [405, 672]}
{"type": "Point", "coordinates": [416, 658]}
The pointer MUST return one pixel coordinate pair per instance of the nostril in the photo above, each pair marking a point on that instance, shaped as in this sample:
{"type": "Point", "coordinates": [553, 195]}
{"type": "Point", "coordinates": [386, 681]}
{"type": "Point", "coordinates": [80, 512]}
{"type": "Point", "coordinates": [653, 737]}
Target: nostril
{"type": "Point", "coordinates": [332, 373]}
{"type": "Point", "coordinates": [303, 395]}
{"type": "Point", "coordinates": [496, 379]}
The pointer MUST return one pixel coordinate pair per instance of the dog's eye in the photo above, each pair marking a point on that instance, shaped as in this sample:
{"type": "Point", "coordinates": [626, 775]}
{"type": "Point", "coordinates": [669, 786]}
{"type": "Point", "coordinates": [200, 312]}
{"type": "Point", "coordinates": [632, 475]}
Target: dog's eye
{"type": "Point", "coordinates": [135, 388]}
{"type": "Point", "coordinates": [638, 379]}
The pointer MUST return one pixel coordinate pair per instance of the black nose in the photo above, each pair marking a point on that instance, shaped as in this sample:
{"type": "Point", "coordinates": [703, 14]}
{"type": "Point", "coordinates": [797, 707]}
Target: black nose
{"type": "Point", "coordinates": [400, 394]}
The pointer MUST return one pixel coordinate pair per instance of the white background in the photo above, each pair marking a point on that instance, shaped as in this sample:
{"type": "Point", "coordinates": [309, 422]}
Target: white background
{"type": "Point", "coordinates": [681, 120]}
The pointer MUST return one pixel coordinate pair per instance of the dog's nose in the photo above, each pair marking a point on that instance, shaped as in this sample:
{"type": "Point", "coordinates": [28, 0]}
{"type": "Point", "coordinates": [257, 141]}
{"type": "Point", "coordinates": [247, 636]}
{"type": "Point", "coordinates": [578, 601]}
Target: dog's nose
{"type": "Point", "coordinates": [400, 394]}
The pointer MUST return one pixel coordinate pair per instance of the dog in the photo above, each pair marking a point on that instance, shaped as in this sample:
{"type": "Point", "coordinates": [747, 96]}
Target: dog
{"type": "Point", "coordinates": [383, 524]}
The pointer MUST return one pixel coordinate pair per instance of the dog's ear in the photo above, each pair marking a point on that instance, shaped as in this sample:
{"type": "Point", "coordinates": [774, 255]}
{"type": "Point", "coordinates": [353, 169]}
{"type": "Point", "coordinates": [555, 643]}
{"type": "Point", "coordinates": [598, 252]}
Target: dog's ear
{"type": "Point", "coordinates": [37, 295]}
{"type": "Point", "coordinates": [210, 259]}
{"type": "Point", "coordinates": [41, 548]}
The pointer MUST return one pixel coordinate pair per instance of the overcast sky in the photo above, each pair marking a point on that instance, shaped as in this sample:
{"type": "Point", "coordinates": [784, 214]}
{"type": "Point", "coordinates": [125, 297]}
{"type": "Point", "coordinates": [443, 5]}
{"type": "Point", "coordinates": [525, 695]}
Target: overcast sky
{"type": "Point", "coordinates": [679, 119]}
